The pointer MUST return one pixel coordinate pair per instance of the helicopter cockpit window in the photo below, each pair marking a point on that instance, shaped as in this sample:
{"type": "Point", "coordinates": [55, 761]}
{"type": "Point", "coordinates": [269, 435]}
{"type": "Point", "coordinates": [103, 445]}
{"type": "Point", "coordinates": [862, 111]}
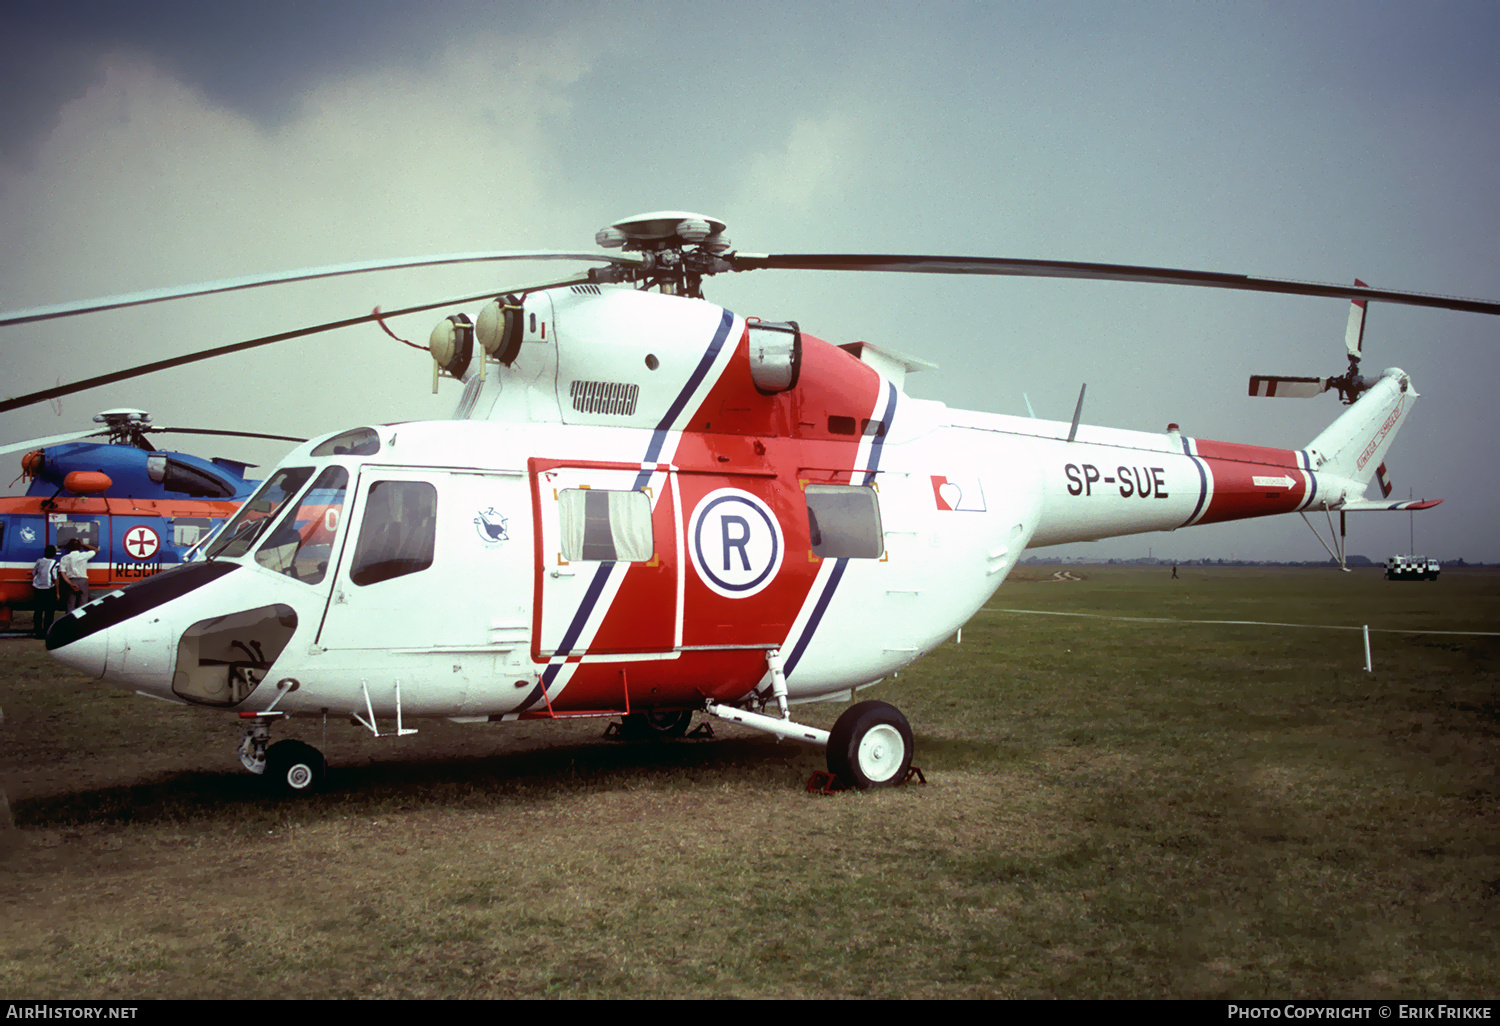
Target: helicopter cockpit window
{"type": "Point", "coordinates": [256, 513]}
{"type": "Point", "coordinates": [844, 522]}
{"type": "Point", "coordinates": [301, 542]}
{"type": "Point", "coordinates": [398, 532]}
{"type": "Point", "coordinates": [357, 442]}
{"type": "Point", "coordinates": [603, 525]}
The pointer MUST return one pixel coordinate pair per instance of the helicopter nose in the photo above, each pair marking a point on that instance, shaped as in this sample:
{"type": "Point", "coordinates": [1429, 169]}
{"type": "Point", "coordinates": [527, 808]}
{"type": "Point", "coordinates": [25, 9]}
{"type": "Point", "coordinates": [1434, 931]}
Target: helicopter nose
{"type": "Point", "coordinates": [88, 653]}
{"type": "Point", "coordinates": [123, 637]}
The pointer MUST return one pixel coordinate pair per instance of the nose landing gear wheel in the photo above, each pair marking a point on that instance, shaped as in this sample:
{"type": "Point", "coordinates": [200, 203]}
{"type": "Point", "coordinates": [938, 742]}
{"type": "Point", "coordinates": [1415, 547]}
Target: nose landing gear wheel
{"type": "Point", "coordinates": [870, 746]}
{"type": "Point", "coordinates": [294, 768]}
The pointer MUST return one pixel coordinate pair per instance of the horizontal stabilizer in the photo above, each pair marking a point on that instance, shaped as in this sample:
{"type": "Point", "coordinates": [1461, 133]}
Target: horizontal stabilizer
{"type": "Point", "coordinates": [1274, 386]}
{"type": "Point", "coordinates": [1366, 505]}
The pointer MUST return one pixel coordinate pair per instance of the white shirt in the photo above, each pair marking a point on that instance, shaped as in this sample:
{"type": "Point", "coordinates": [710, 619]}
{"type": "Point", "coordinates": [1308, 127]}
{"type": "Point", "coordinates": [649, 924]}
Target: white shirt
{"type": "Point", "coordinates": [75, 563]}
{"type": "Point", "coordinates": [44, 574]}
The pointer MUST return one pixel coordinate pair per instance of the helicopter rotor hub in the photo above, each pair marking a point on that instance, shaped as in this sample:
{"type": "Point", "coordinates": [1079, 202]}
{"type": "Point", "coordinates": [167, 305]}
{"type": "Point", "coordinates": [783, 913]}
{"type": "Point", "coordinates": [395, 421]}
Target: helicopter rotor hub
{"type": "Point", "coordinates": [678, 249]}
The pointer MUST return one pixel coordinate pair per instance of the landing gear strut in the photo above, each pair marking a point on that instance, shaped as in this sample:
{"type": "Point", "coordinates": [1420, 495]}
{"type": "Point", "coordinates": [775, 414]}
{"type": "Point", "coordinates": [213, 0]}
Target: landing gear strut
{"type": "Point", "coordinates": [870, 744]}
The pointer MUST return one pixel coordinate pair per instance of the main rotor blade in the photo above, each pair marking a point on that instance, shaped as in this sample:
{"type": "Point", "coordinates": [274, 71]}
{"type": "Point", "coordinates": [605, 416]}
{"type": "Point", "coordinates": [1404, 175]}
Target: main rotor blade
{"type": "Point", "coordinates": [226, 434]}
{"type": "Point", "coordinates": [265, 340]}
{"type": "Point", "coordinates": [44, 313]}
{"type": "Point", "coordinates": [1102, 272]}
{"type": "Point", "coordinates": [42, 443]}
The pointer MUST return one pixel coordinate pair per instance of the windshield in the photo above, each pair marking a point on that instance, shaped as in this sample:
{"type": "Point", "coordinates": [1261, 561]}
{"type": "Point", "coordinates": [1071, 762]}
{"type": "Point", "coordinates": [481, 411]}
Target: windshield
{"type": "Point", "coordinates": [301, 543]}
{"type": "Point", "coordinates": [256, 513]}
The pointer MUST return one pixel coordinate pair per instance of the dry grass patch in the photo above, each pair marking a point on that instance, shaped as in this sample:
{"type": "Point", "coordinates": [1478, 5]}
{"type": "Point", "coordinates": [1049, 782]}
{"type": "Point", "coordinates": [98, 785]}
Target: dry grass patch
{"type": "Point", "coordinates": [1114, 810]}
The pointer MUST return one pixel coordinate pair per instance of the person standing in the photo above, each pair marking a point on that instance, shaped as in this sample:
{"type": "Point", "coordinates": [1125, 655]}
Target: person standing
{"type": "Point", "coordinates": [75, 572]}
{"type": "Point", "coordinates": [44, 586]}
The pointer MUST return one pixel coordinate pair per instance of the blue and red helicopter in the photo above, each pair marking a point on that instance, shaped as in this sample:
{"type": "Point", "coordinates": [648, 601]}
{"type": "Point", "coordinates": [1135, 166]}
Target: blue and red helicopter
{"type": "Point", "coordinates": [143, 509]}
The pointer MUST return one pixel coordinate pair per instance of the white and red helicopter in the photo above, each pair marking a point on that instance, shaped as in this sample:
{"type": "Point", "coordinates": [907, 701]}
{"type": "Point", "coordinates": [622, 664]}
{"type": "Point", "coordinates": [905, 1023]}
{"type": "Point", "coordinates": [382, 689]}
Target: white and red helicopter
{"type": "Point", "coordinates": [650, 506]}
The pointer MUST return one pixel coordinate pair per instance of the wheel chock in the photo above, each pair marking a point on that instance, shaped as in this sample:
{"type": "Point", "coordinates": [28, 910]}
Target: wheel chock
{"type": "Point", "coordinates": [824, 782]}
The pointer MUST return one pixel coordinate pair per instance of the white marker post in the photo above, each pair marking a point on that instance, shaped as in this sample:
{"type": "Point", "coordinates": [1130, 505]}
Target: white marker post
{"type": "Point", "coordinates": [1368, 667]}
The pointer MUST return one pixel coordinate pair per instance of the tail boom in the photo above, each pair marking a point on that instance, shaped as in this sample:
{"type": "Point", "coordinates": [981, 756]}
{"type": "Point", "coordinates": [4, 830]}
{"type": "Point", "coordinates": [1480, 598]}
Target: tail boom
{"type": "Point", "coordinates": [1108, 483]}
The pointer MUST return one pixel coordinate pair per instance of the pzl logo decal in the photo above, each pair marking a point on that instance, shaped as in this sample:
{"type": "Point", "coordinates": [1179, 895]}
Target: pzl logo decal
{"type": "Point", "coordinates": [735, 543]}
{"type": "Point", "coordinates": [492, 526]}
{"type": "Point", "coordinates": [28, 535]}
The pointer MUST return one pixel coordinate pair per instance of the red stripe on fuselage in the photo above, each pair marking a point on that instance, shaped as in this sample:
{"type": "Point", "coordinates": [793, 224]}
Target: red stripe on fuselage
{"type": "Point", "coordinates": [763, 445]}
{"type": "Point", "coordinates": [1236, 493]}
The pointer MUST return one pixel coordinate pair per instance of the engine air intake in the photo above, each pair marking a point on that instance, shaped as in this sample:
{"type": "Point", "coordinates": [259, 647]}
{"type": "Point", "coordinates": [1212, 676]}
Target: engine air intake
{"type": "Point", "coordinates": [775, 355]}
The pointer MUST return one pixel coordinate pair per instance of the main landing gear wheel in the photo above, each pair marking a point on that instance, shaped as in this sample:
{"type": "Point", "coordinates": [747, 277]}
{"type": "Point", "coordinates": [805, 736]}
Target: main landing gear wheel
{"type": "Point", "coordinates": [653, 723]}
{"type": "Point", "coordinates": [667, 724]}
{"type": "Point", "coordinates": [294, 768]}
{"type": "Point", "coordinates": [870, 746]}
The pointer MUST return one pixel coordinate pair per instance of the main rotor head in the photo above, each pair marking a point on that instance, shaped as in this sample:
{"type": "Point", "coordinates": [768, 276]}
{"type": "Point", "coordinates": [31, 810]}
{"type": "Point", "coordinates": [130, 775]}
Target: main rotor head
{"type": "Point", "coordinates": [678, 249]}
{"type": "Point", "coordinates": [126, 427]}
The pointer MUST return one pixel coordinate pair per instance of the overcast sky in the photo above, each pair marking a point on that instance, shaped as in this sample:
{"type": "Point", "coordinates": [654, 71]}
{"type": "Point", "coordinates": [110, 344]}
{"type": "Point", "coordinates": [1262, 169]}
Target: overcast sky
{"type": "Point", "coordinates": [150, 144]}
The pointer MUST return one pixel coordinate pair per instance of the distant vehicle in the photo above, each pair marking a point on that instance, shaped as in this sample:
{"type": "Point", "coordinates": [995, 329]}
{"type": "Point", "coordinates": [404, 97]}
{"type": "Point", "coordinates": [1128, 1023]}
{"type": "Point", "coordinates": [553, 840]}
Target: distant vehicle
{"type": "Point", "coordinates": [1412, 568]}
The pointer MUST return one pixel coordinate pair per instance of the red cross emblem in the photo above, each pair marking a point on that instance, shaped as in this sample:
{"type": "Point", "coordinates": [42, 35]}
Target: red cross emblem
{"type": "Point", "coordinates": [141, 542]}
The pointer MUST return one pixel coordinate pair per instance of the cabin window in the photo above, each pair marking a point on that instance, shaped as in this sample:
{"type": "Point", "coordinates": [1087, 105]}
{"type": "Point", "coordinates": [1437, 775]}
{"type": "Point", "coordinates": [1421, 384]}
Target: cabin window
{"type": "Point", "coordinates": [257, 512]}
{"type": "Point", "coordinates": [302, 542]}
{"type": "Point", "coordinates": [187, 531]}
{"type": "Point", "coordinates": [86, 531]}
{"type": "Point", "coordinates": [846, 426]}
{"type": "Point", "coordinates": [398, 533]}
{"type": "Point", "coordinates": [357, 442]}
{"type": "Point", "coordinates": [844, 522]}
{"type": "Point", "coordinates": [608, 526]}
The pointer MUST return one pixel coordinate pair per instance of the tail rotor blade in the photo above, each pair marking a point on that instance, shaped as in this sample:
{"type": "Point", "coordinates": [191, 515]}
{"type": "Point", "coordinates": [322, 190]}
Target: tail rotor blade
{"type": "Point", "coordinates": [1354, 336]}
{"type": "Point", "coordinates": [1273, 386]}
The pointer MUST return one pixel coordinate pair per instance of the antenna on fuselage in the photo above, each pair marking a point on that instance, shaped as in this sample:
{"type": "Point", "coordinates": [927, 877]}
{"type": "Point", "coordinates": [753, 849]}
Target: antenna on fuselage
{"type": "Point", "coordinates": [1077, 412]}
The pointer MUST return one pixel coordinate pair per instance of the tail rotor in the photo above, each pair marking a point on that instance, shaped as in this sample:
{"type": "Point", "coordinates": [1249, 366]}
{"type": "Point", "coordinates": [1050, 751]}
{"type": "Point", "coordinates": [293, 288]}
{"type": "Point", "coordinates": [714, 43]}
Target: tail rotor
{"type": "Point", "coordinates": [1350, 385]}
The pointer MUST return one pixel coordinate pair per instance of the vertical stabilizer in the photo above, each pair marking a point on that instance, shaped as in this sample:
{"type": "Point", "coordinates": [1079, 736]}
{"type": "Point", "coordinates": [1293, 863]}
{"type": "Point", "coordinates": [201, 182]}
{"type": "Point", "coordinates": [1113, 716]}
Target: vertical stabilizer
{"type": "Point", "coordinates": [1353, 446]}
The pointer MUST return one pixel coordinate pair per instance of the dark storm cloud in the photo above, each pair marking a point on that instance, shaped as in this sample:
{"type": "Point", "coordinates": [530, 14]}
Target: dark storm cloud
{"type": "Point", "coordinates": [253, 58]}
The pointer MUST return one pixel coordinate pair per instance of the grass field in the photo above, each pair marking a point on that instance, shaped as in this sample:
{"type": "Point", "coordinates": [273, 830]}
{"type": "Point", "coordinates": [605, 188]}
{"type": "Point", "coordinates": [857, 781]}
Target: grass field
{"type": "Point", "coordinates": [1113, 809]}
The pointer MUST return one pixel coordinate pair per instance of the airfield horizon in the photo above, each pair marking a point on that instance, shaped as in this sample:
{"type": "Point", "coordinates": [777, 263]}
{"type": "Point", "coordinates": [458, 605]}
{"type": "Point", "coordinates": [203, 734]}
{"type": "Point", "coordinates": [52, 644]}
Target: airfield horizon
{"type": "Point", "coordinates": [1114, 808]}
